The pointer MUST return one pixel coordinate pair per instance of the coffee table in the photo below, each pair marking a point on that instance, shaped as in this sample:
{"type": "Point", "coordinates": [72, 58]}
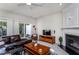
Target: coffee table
{"type": "Point", "coordinates": [36, 50]}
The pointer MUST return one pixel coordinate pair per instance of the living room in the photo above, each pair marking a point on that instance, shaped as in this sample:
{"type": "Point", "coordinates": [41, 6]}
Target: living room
{"type": "Point", "coordinates": [21, 25]}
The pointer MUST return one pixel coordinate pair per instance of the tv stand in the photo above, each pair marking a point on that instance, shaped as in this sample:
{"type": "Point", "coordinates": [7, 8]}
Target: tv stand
{"type": "Point", "coordinates": [47, 38]}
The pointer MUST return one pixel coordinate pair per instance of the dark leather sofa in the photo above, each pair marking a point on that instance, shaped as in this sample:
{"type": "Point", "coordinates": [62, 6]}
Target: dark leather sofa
{"type": "Point", "coordinates": [14, 40]}
{"type": "Point", "coordinates": [13, 45]}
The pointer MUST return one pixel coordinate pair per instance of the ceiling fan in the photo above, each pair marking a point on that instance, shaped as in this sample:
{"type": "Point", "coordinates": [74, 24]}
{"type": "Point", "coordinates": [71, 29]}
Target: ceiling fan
{"type": "Point", "coordinates": [31, 4]}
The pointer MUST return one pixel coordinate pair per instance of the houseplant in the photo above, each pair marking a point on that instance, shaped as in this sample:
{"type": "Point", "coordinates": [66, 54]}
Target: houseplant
{"type": "Point", "coordinates": [60, 40]}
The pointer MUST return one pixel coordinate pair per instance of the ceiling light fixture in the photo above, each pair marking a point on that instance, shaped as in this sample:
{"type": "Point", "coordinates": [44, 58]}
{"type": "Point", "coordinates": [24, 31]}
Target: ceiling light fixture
{"type": "Point", "coordinates": [28, 3]}
{"type": "Point", "coordinates": [60, 4]}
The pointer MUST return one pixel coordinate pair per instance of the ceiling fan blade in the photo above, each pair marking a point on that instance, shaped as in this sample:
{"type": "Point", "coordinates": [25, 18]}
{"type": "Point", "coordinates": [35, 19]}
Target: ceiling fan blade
{"type": "Point", "coordinates": [36, 4]}
{"type": "Point", "coordinates": [22, 4]}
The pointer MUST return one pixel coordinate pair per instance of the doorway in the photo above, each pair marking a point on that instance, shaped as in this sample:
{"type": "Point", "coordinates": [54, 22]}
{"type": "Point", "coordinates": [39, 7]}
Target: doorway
{"type": "Point", "coordinates": [28, 30]}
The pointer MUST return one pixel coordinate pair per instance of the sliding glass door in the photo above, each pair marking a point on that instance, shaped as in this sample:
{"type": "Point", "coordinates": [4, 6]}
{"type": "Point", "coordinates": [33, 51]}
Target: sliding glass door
{"type": "Point", "coordinates": [21, 30]}
{"type": "Point", "coordinates": [25, 30]}
{"type": "Point", "coordinates": [3, 28]}
{"type": "Point", "coordinates": [28, 30]}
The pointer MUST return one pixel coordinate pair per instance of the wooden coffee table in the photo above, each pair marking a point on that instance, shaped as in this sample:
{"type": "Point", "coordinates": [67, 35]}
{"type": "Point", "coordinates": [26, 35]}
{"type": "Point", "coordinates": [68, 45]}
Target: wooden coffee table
{"type": "Point", "coordinates": [35, 50]}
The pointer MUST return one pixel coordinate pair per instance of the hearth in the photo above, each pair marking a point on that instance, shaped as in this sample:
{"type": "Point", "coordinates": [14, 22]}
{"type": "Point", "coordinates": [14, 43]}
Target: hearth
{"type": "Point", "coordinates": [72, 44]}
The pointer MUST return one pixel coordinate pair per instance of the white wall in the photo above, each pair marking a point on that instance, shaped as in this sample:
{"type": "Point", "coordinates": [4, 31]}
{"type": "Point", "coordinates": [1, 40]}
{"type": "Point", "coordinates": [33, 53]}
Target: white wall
{"type": "Point", "coordinates": [13, 20]}
{"type": "Point", "coordinates": [53, 22]}
{"type": "Point", "coordinates": [71, 20]}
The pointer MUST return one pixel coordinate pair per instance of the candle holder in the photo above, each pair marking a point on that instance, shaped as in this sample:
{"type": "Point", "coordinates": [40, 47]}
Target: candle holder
{"type": "Point", "coordinates": [40, 51]}
{"type": "Point", "coordinates": [35, 44]}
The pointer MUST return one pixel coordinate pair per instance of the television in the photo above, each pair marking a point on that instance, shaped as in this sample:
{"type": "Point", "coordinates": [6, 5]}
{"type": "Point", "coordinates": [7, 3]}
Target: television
{"type": "Point", "coordinates": [46, 32]}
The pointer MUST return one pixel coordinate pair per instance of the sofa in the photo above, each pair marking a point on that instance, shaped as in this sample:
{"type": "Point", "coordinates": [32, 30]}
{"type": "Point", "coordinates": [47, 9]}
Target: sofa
{"type": "Point", "coordinates": [13, 42]}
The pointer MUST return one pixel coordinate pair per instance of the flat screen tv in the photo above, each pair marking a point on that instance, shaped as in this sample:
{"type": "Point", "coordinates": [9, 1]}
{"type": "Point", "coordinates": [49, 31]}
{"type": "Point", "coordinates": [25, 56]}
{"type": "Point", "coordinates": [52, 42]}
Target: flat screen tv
{"type": "Point", "coordinates": [46, 32]}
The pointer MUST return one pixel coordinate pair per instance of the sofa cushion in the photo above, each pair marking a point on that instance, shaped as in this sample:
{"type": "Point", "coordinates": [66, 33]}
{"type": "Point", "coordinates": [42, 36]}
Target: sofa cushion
{"type": "Point", "coordinates": [12, 39]}
{"type": "Point", "coordinates": [6, 39]}
{"type": "Point", "coordinates": [2, 43]}
{"type": "Point", "coordinates": [15, 38]}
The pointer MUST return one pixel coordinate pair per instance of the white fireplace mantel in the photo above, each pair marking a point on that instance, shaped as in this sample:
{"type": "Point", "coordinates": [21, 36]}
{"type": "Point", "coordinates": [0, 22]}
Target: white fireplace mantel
{"type": "Point", "coordinates": [71, 27]}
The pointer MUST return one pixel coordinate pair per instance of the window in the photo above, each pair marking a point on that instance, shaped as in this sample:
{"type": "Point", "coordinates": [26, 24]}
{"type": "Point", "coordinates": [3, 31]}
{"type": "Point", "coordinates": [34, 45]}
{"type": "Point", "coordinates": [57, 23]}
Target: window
{"type": "Point", "coordinates": [21, 29]}
{"type": "Point", "coordinates": [25, 29]}
{"type": "Point", "coordinates": [3, 28]}
{"type": "Point", "coordinates": [28, 29]}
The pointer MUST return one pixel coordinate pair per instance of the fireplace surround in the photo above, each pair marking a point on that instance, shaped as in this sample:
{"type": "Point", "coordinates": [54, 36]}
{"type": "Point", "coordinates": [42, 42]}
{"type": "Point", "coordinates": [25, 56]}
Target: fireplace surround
{"type": "Point", "coordinates": [72, 43]}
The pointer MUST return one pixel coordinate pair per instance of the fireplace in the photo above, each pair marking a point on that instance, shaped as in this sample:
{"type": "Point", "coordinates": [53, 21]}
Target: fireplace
{"type": "Point", "coordinates": [72, 43]}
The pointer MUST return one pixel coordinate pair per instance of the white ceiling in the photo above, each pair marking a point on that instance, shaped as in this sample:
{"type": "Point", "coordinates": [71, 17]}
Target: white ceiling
{"type": "Point", "coordinates": [35, 10]}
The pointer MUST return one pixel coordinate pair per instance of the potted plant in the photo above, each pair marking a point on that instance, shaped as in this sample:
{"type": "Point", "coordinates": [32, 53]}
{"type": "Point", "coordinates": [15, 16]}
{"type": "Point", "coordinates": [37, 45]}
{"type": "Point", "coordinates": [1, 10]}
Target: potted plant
{"type": "Point", "coordinates": [60, 40]}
